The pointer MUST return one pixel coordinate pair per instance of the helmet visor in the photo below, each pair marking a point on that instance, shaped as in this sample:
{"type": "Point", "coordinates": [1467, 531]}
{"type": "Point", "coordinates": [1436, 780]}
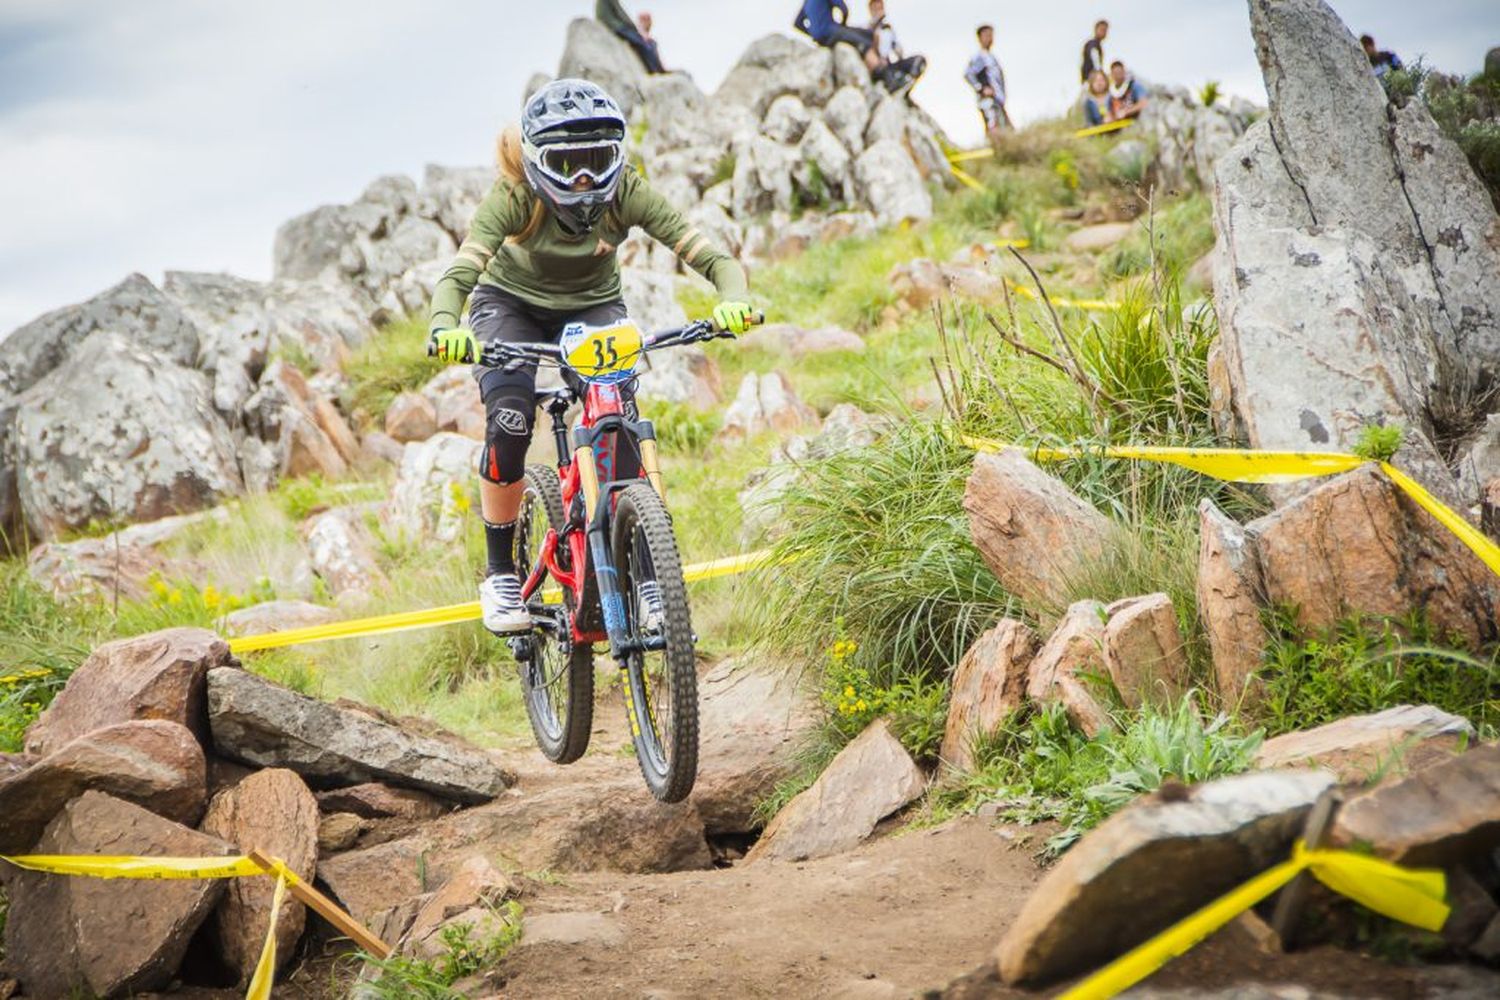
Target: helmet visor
{"type": "Point", "coordinates": [571, 162]}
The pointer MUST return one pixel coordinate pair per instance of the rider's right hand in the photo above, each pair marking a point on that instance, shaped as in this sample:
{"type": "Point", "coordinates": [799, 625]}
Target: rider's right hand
{"type": "Point", "coordinates": [457, 346]}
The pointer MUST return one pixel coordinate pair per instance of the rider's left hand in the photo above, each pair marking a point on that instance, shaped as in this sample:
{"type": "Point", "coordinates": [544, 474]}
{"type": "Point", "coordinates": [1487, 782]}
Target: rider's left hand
{"type": "Point", "coordinates": [733, 316]}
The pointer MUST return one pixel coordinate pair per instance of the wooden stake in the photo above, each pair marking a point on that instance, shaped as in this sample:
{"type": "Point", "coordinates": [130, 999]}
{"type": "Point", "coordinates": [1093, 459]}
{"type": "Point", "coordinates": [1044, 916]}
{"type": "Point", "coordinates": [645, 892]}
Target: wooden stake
{"type": "Point", "coordinates": [326, 908]}
{"type": "Point", "coordinates": [1293, 898]}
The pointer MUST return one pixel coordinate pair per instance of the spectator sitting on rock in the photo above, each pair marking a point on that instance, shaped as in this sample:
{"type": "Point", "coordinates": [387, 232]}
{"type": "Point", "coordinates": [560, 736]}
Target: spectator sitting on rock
{"type": "Point", "coordinates": [643, 25]}
{"type": "Point", "coordinates": [988, 80]}
{"type": "Point", "coordinates": [896, 70]}
{"type": "Point", "coordinates": [1126, 97]}
{"type": "Point", "coordinates": [1381, 62]}
{"type": "Point", "coordinates": [613, 16]}
{"type": "Point", "coordinates": [1096, 99]}
{"type": "Point", "coordinates": [816, 20]}
{"type": "Point", "coordinates": [1093, 52]}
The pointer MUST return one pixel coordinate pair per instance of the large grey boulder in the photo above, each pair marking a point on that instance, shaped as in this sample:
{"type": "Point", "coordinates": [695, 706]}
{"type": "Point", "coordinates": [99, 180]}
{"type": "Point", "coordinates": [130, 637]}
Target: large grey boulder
{"type": "Point", "coordinates": [135, 309]}
{"type": "Point", "coordinates": [763, 176]}
{"type": "Point", "coordinates": [234, 337]}
{"type": "Point", "coordinates": [823, 150]}
{"type": "Point", "coordinates": [258, 722]}
{"type": "Point", "coordinates": [678, 115]}
{"type": "Point", "coordinates": [421, 503]}
{"type": "Point", "coordinates": [847, 115]}
{"type": "Point", "coordinates": [891, 184]}
{"type": "Point", "coordinates": [449, 195]}
{"type": "Point", "coordinates": [593, 52]}
{"type": "Point", "coordinates": [1186, 138]}
{"type": "Point", "coordinates": [1375, 227]}
{"type": "Point", "coordinates": [120, 433]}
{"type": "Point", "coordinates": [1166, 855]}
{"type": "Point", "coordinates": [776, 65]}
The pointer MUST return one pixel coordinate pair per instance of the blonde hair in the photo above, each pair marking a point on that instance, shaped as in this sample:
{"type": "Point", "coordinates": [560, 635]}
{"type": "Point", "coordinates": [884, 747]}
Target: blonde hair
{"type": "Point", "coordinates": [513, 171]}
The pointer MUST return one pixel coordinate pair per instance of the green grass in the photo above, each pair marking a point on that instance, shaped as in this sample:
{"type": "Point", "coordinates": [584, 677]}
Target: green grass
{"type": "Point", "coordinates": [1180, 233]}
{"type": "Point", "coordinates": [41, 642]}
{"type": "Point", "coordinates": [394, 360]}
{"type": "Point", "coordinates": [467, 950]}
{"type": "Point", "coordinates": [1363, 666]}
{"type": "Point", "coordinates": [1037, 767]}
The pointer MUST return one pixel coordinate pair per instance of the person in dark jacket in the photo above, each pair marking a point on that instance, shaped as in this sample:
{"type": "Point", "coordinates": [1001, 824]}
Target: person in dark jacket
{"type": "Point", "coordinates": [816, 20]}
{"type": "Point", "coordinates": [613, 16]}
{"type": "Point", "coordinates": [1093, 52]}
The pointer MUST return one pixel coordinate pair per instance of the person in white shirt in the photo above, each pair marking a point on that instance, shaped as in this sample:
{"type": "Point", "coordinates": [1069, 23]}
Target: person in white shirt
{"type": "Point", "coordinates": [896, 70]}
{"type": "Point", "coordinates": [988, 80]}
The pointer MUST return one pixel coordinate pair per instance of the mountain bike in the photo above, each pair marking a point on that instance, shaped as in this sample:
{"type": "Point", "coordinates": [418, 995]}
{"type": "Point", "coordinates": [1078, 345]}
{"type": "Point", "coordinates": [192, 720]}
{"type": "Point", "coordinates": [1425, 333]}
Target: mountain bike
{"type": "Point", "coordinates": [598, 526]}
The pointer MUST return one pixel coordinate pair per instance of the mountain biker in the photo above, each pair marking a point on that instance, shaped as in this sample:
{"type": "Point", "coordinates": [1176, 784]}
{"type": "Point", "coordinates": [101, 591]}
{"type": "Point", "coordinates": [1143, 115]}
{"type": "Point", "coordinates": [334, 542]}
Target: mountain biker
{"type": "Point", "coordinates": [540, 253]}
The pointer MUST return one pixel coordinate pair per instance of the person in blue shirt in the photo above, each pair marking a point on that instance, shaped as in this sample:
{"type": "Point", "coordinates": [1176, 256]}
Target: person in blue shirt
{"type": "Point", "coordinates": [987, 79]}
{"type": "Point", "coordinates": [816, 20]}
{"type": "Point", "coordinates": [1096, 99]}
{"type": "Point", "coordinates": [1381, 60]}
{"type": "Point", "coordinates": [1127, 99]}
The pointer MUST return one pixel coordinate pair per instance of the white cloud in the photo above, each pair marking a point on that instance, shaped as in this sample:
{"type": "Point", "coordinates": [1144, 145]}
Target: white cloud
{"type": "Point", "coordinates": [176, 134]}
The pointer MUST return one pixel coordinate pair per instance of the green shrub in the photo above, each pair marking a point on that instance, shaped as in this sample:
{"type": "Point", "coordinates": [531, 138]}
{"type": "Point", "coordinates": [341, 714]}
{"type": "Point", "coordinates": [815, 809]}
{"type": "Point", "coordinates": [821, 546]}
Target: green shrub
{"type": "Point", "coordinates": [1362, 666]}
{"type": "Point", "coordinates": [680, 429]}
{"type": "Point", "coordinates": [1208, 94]}
{"type": "Point", "coordinates": [1038, 767]}
{"type": "Point", "coordinates": [1183, 232]}
{"type": "Point", "coordinates": [1379, 442]}
{"type": "Point", "coordinates": [465, 953]}
{"type": "Point", "coordinates": [41, 643]}
{"type": "Point", "coordinates": [851, 700]}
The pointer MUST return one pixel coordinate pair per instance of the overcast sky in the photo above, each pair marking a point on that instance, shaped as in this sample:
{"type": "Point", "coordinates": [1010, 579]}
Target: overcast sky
{"type": "Point", "coordinates": [177, 134]}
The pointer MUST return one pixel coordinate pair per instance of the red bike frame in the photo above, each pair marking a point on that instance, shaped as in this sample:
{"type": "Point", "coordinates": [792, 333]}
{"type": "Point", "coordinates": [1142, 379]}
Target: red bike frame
{"type": "Point", "coordinates": [580, 475]}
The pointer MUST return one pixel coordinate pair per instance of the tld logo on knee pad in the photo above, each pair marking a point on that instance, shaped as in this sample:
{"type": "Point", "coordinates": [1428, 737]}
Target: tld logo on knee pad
{"type": "Point", "coordinates": [510, 421]}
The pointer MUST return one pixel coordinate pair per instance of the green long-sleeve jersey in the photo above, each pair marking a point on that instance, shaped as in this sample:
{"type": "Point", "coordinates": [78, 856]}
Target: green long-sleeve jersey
{"type": "Point", "coordinates": [553, 270]}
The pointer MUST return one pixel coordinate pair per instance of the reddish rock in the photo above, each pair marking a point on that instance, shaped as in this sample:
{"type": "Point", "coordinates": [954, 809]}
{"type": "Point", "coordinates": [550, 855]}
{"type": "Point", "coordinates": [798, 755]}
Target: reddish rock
{"type": "Point", "coordinates": [1152, 864]}
{"type": "Point", "coordinates": [374, 800]}
{"type": "Point", "coordinates": [750, 718]}
{"type": "Point", "coordinates": [1443, 814]}
{"type": "Point", "coordinates": [378, 446]}
{"type": "Point", "coordinates": [1075, 648]}
{"type": "Point", "coordinates": [332, 423]}
{"type": "Point", "coordinates": [1406, 738]}
{"type": "Point", "coordinates": [989, 684]}
{"type": "Point", "coordinates": [476, 883]}
{"type": "Point", "coordinates": [271, 811]}
{"type": "Point", "coordinates": [339, 832]}
{"type": "Point", "coordinates": [1143, 651]}
{"type": "Point", "coordinates": [155, 676]}
{"type": "Point", "coordinates": [1033, 532]}
{"type": "Point", "coordinates": [411, 417]}
{"type": "Point", "coordinates": [866, 781]}
{"type": "Point", "coordinates": [107, 937]}
{"type": "Point", "coordinates": [153, 763]}
{"type": "Point", "coordinates": [1358, 544]}
{"type": "Point", "coordinates": [1229, 603]}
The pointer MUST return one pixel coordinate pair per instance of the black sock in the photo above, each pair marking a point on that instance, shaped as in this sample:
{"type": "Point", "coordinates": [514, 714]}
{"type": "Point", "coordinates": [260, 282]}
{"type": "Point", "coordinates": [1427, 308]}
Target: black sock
{"type": "Point", "coordinates": [498, 542]}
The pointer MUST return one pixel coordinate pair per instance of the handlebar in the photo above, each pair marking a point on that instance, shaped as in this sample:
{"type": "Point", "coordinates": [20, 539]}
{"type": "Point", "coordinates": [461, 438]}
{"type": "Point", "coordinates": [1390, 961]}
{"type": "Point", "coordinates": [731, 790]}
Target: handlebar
{"type": "Point", "coordinates": [496, 352]}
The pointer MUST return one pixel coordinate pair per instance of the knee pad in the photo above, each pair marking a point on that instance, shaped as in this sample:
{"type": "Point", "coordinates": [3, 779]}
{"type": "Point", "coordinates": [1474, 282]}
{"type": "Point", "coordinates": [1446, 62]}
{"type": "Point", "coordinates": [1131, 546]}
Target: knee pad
{"type": "Point", "coordinates": [507, 434]}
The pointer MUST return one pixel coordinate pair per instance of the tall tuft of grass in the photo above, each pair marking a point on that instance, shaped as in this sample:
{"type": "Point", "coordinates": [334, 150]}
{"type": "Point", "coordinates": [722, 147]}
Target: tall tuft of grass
{"type": "Point", "coordinates": [877, 551]}
{"type": "Point", "coordinates": [394, 360]}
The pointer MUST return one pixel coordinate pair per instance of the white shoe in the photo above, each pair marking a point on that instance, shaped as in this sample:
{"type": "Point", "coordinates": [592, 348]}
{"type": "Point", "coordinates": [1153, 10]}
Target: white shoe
{"type": "Point", "coordinates": [500, 600]}
{"type": "Point", "coordinates": [652, 613]}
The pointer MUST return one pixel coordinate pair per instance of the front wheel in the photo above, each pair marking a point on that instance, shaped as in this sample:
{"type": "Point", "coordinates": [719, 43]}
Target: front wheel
{"type": "Point", "coordinates": [557, 674]}
{"type": "Point", "coordinates": [662, 681]}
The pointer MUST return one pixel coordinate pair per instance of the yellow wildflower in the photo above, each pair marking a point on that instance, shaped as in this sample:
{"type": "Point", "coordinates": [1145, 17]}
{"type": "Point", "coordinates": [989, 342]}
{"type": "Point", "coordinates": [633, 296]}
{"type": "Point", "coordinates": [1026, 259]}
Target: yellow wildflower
{"type": "Point", "coordinates": [175, 597]}
{"type": "Point", "coordinates": [211, 597]}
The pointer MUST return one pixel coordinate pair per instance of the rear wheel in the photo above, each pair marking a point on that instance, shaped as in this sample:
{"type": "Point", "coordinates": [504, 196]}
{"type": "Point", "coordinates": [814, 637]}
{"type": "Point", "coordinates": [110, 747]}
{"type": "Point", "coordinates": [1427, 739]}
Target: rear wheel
{"type": "Point", "coordinates": [662, 682]}
{"type": "Point", "coordinates": [557, 674]}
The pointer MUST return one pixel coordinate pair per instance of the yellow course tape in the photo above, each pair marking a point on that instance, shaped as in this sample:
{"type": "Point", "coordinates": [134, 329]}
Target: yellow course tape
{"type": "Point", "coordinates": [966, 178]}
{"type": "Point", "coordinates": [963, 156]}
{"type": "Point", "coordinates": [451, 614]}
{"type": "Point", "coordinates": [1102, 129]}
{"type": "Point", "coordinates": [1242, 466]}
{"type": "Point", "coordinates": [1415, 897]}
{"type": "Point", "coordinates": [107, 866]}
{"type": "Point", "coordinates": [1090, 304]}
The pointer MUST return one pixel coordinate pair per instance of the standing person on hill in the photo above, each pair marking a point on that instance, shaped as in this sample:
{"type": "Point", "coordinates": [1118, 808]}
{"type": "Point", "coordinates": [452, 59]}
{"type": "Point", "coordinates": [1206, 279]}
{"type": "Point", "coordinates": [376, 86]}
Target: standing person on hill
{"type": "Point", "coordinates": [1127, 99]}
{"type": "Point", "coordinates": [816, 19]}
{"type": "Point", "coordinates": [613, 16]}
{"type": "Point", "coordinates": [988, 80]}
{"type": "Point", "coordinates": [896, 70]}
{"type": "Point", "coordinates": [1093, 52]}
{"type": "Point", "coordinates": [540, 254]}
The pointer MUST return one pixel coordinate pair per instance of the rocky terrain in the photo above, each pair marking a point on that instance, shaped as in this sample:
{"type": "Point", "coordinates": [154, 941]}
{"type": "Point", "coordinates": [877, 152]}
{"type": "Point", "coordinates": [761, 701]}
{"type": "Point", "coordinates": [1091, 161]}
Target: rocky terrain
{"type": "Point", "coordinates": [850, 834]}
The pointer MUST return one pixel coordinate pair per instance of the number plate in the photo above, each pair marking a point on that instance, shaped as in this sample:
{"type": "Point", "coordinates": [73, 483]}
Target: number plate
{"type": "Point", "coordinates": [603, 354]}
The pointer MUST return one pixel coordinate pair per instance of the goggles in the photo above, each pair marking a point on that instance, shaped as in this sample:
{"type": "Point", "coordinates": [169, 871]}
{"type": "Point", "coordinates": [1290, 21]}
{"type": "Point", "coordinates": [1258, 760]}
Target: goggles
{"type": "Point", "coordinates": [568, 163]}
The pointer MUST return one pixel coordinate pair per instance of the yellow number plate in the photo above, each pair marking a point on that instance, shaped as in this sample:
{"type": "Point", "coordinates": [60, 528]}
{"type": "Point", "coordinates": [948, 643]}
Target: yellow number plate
{"type": "Point", "coordinates": [603, 353]}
